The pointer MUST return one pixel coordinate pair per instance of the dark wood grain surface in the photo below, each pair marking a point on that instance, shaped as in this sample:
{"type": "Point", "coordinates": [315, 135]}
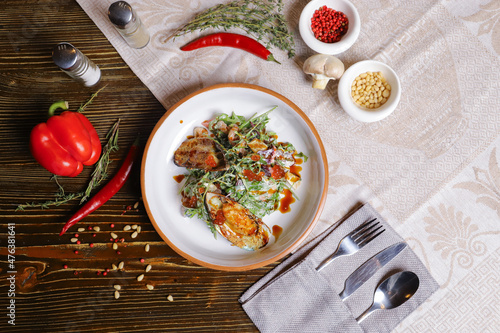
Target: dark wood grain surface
{"type": "Point", "coordinates": [49, 297]}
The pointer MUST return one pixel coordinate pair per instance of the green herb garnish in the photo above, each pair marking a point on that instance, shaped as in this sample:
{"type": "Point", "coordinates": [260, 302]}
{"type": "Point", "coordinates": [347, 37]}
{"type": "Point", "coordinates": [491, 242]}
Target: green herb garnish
{"type": "Point", "coordinates": [261, 19]}
{"type": "Point", "coordinates": [258, 171]}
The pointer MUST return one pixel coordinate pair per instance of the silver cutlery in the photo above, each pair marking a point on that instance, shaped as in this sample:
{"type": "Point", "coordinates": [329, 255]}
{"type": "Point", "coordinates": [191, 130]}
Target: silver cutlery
{"type": "Point", "coordinates": [354, 241]}
{"type": "Point", "coordinates": [370, 267]}
{"type": "Point", "coordinates": [393, 292]}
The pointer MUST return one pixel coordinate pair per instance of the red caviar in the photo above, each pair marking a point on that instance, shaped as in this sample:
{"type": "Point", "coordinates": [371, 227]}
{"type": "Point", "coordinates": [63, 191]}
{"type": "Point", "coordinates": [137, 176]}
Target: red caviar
{"type": "Point", "coordinates": [329, 25]}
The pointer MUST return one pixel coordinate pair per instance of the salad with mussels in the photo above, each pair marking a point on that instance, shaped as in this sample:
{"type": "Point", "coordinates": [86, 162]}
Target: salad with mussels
{"type": "Point", "coordinates": [237, 174]}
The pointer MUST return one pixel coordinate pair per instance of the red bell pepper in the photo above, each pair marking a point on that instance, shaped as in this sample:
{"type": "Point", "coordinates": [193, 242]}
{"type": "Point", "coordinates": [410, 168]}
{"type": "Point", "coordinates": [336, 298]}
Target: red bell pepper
{"type": "Point", "coordinates": [65, 143]}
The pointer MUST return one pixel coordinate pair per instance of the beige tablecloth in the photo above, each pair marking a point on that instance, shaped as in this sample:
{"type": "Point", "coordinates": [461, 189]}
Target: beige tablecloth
{"type": "Point", "coordinates": [431, 168]}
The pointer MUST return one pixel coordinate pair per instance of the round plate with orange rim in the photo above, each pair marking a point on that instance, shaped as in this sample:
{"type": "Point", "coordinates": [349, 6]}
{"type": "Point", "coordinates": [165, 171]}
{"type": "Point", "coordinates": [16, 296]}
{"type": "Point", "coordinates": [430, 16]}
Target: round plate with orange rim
{"type": "Point", "coordinates": [191, 237]}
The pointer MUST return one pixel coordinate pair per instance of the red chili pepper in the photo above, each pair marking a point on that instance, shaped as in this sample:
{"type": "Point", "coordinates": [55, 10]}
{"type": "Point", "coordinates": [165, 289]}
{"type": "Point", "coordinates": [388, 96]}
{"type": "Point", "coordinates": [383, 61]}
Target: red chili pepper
{"type": "Point", "coordinates": [65, 143]}
{"type": "Point", "coordinates": [110, 189]}
{"type": "Point", "coordinates": [231, 40]}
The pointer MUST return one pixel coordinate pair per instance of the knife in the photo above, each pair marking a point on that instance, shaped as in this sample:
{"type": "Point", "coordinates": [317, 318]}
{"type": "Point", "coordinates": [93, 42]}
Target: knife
{"type": "Point", "coordinates": [370, 267]}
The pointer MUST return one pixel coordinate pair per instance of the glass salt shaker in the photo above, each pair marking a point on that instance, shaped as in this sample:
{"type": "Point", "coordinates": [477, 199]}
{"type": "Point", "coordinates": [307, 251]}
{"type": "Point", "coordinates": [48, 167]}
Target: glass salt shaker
{"type": "Point", "coordinates": [128, 24]}
{"type": "Point", "coordinates": [74, 63]}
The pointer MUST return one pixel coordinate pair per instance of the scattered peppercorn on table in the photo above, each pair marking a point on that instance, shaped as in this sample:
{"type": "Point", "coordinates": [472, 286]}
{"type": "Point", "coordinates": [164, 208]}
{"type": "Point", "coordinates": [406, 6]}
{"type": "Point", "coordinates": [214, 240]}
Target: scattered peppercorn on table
{"type": "Point", "coordinates": [430, 168]}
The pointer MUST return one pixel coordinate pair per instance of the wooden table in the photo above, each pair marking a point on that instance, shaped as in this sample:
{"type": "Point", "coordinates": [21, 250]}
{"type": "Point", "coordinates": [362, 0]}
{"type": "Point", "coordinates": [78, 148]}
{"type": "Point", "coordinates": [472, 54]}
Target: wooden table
{"type": "Point", "coordinates": [48, 296]}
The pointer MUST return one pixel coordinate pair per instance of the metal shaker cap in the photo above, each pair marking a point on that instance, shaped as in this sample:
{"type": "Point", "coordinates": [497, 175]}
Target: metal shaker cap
{"type": "Point", "coordinates": [121, 14]}
{"type": "Point", "coordinates": [66, 56]}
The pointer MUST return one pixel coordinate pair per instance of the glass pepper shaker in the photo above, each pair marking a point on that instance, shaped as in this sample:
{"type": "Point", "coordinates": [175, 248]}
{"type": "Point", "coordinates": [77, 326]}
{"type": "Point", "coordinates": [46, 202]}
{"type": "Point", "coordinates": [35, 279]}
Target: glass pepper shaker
{"type": "Point", "coordinates": [128, 24]}
{"type": "Point", "coordinates": [74, 63]}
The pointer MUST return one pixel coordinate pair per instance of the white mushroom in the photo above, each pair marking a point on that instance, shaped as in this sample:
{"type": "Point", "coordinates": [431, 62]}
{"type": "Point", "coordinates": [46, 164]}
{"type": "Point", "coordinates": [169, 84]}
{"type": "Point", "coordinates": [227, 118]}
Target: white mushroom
{"type": "Point", "coordinates": [323, 68]}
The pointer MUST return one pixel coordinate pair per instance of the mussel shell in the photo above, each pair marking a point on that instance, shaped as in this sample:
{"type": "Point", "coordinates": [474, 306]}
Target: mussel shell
{"type": "Point", "coordinates": [242, 228]}
{"type": "Point", "coordinates": [200, 153]}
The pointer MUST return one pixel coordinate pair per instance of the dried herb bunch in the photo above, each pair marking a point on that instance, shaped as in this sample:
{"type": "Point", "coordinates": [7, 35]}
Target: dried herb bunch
{"type": "Point", "coordinates": [260, 18]}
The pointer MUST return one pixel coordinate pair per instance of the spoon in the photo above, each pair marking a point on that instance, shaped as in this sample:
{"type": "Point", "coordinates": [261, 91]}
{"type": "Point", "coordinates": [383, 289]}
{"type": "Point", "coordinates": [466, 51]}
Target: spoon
{"type": "Point", "coordinates": [392, 292]}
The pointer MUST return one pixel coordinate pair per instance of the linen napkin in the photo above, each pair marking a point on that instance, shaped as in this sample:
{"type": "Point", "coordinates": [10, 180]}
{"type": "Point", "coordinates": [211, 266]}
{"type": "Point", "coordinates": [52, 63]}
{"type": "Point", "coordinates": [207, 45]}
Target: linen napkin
{"type": "Point", "coordinates": [294, 297]}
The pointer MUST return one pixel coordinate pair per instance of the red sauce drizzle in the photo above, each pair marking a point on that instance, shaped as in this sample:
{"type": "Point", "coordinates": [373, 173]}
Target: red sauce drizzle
{"type": "Point", "coordinates": [179, 178]}
{"type": "Point", "coordinates": [277, 230]}
{"type": "Point", "coordinates": [286, 201]}
{"type": "Point", "coordinates": [295, 169]}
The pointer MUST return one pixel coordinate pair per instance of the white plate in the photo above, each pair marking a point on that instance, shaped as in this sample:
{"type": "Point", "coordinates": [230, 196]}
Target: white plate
{"type": "Point", "coordinates": [190, 237]}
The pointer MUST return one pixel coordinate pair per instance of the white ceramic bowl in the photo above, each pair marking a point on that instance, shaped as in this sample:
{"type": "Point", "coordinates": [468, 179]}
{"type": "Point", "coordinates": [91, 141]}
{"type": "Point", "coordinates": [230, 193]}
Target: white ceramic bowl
{"type": "Point", "coordinates": [363, 114]}
{"type": "Point", "coordinates": [192, 238]}
{"type": "Point", "coordinates": [330, 48]}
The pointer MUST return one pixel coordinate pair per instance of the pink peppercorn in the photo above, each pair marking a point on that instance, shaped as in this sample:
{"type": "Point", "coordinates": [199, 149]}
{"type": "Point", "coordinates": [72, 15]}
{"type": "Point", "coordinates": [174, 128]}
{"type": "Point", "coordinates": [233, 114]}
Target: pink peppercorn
{"type": "Point", "coordinates": [142, 259]}
{"type": "Point", "coordinates": [329, 25]}
{"type": "Point", "coordinates": [65, 266]}
{"type": "Point", "coordinates": [112, 225]}
{"type": "Point", "coordinates": [91, 244]}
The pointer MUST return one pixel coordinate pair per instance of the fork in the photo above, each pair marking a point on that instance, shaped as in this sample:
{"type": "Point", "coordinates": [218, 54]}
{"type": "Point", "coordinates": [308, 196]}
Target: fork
{"type": "Point", "coordinates": [354, 241]}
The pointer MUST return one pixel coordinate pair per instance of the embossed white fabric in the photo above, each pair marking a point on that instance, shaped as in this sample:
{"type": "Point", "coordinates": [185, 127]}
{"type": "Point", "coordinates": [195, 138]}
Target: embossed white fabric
{"type": "Point", "coordinates": [431, 169]}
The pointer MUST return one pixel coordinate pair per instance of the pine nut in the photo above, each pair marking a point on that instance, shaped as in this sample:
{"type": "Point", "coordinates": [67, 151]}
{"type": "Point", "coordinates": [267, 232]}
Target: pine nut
{"type": "Point", "coordinates": [140, 277]}
{"type": "Point", "coordinates": [115, 246]}
{"type": "Point", "coordinates": [113, 266]}
{"type": "Point", "coordinates": [146, 248]}
{"type": "Point", "coordinates": [139, 229]}
{"type": "Point", "coordinates": [370, 90]}
{"type": "Point", "coordinates": [74, 240]}
{"type": "Point", "coordinates": [121, 265]}
{"type": "Point", "coordinates": [97, 229]}
{"type": "Point", "coordinates": [117, 294]}
{"type": "Point", "coordinates": [148, 268]}
{"type": "Point", "coordinates": [81, 229]}
{"type": "Point", "coordinates": [134, 226]}
{"type": "Point", "coordinates": [134, 234]}
{"type": "Point", "coordinates": [117, 287]}
{"type": "Point", "coordinates": [150, 286]}
{"type": "Point", "coordinates": [136, 205]}
{"type": "Point", "coordinates": [115, 236]}
{"type": "Point", "coordinates": [126, 228]}
{"type": "Point", "coordinates": [170, 298]}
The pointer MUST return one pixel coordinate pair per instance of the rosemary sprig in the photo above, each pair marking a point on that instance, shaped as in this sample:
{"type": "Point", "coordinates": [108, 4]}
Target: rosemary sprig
{"type": "Point", "coordinates": [259, 18]}
{"type": "Point", "coordinates": [89, 101]}
{"type": "Point", "coordinates": [98, 175]}
{"type": "Point", "coordinates": [100, 172]}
